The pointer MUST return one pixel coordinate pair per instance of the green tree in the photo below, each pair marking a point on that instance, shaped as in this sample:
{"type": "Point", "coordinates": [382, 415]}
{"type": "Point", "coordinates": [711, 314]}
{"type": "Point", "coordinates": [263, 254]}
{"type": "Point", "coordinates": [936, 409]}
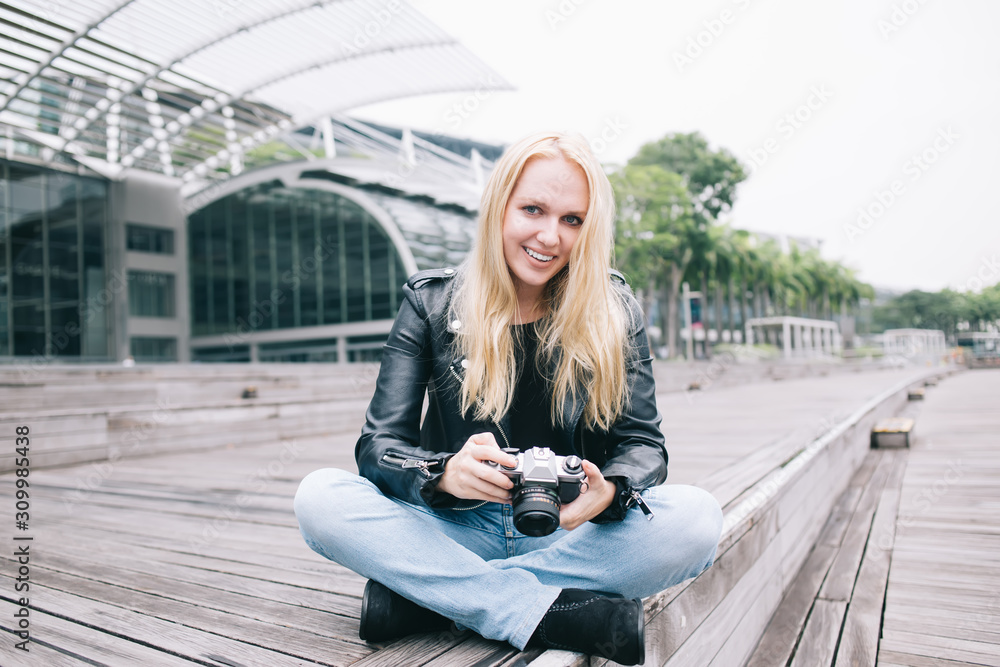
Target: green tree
{"type": "Point", "coordinates": [669, 197]}
{"type": "Point", "coordinates": [653, 234]}
{"type": "Point", "coordinates": [711, 176]}
{"type": "Point", "coordinates": [917, 309]}
{"type": "Point", "coordinates": [708, 178]}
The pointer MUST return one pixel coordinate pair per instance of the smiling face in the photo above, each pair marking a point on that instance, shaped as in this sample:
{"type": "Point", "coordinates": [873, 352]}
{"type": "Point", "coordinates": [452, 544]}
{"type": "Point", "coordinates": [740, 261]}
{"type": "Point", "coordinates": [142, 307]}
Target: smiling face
{"type": "Point", "coordinates": [541, 223]}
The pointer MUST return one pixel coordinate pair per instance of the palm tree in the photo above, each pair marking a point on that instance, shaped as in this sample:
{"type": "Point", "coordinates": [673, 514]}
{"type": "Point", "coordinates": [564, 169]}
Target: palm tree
{"type": "Point", "coordinates": [704, 242]}
{"type": "Point", "coordinates": [745, 261]}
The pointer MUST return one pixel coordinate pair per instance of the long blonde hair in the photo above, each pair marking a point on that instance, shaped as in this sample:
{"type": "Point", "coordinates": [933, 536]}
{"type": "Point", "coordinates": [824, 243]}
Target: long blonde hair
{"type": "Point", "coordinates": [586, 331]}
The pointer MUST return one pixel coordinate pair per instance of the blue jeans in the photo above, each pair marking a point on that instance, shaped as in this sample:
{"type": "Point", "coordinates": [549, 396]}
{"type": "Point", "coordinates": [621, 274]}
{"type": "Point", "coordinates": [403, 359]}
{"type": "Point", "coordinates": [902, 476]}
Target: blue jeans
{"type": "Point", "coordinates": [473, 567]}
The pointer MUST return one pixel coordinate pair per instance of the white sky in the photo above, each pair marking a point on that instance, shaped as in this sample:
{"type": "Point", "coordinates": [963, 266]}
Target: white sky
{"type": "Point", "coordinates": [610, 66]}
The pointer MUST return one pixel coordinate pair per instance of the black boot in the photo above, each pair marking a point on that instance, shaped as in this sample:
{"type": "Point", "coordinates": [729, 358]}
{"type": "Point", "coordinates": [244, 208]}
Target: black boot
{"type": "Point", "coordinates": [595, 624]}
{"type": "Point", "coordinates": [387, 615]}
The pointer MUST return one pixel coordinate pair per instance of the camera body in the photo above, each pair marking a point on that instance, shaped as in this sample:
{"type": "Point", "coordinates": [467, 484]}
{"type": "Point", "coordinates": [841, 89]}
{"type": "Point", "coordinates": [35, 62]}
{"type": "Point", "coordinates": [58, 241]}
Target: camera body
{"type": "Point", "coordinates": [543, 482]}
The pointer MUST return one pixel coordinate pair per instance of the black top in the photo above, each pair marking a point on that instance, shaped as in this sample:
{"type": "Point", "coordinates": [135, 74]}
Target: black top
{"type": "Point", "coordinates": [530, 415]}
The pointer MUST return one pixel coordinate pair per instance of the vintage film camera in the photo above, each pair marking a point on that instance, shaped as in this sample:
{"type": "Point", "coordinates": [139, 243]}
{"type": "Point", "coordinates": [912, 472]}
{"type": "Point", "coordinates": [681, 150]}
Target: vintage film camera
{"type": "Point", "coordinates": [543, 481]}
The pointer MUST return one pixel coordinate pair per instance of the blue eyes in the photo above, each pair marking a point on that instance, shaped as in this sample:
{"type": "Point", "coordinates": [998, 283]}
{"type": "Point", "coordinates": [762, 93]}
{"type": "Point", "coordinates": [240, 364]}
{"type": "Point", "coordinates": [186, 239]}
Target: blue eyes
{"type": "Point", "coordinates": [572, 220]}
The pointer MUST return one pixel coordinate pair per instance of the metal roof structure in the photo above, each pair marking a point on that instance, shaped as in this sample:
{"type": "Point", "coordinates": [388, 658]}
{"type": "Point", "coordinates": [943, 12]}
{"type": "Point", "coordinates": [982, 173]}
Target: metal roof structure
{"type": "Point", "coordinates": [370, 158]}
{"type": "Point", "coordinates": [188, 87]}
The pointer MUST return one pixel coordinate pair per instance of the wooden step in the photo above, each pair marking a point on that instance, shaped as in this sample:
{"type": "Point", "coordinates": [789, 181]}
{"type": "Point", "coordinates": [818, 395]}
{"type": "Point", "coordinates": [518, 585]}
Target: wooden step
{"type": "Point", "coordinates": [831, 614]}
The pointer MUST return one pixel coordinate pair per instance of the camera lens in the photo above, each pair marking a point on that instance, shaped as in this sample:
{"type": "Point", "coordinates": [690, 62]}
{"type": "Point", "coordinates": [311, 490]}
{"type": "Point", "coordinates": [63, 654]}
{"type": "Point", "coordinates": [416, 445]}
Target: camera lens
{"type": "Point", "coordinates": [536, 511]}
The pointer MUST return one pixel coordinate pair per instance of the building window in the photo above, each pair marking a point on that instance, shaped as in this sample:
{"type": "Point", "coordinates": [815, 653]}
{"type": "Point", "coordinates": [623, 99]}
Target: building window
{"type": "Point", "coordinates": [365, 348]}
{"type": "Point", "coordinates": [323, 350]}
{"type": "Point", "coordinates": [153, 349]}
{"type": "Point", "coordinates": [270, 257]}
{"type": "Point", "coordinates": [156, 240]}
{"type": "Point", "coordinates": [224, 354]}
{"type": "Point", "coordinates": [53, 285]}
{"type": "Point", "coordinates": [150, 294]}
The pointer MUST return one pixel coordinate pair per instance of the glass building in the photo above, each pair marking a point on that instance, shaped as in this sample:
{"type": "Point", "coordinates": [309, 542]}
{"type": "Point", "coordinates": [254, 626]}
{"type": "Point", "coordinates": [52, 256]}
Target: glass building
{"type": "Point", "coordinates": [53, 301]}
{"type": "Point", "coordinates": [305, 262]}
{"type": "Point", "coordinates": [270, 258]}
{"type": "Point", "coordinates": [178, 184]}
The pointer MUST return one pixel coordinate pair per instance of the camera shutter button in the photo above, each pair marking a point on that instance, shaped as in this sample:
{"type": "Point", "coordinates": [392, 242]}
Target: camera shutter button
{"type": "Point", "coordinates": [572, 464]}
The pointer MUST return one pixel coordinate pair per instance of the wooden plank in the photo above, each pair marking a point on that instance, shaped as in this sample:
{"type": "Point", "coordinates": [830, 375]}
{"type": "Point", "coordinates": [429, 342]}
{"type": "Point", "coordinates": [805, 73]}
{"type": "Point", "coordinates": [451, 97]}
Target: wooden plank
{"type": "Point", "coordinates": [943, 625]}
{"type": "Point", "coordinates": [566, 659]}
{"type": "Point", "coordinates": [40, 652]}
{"type": "Point", "coordinates": [224, 624]}
{"type": "Point", "coordinates": [740, 643]}
{"type": "Point", "coordinates": [92, 644]}
{"type": "Point", "coordinates": [904, 658]}
{"type": "Point", "coordinates": [414, 650]}
{"type": "Point", "coordinates": [700, 649]}
{"type": "Point", "coordinates": [976, 653]}
{"type": "Point", "coordinates": [819, 639]}
{"type": "Point", "coordinates": [303, 568]}
{"type": "Point", "coordinates": [270, 601]}
{"type": "Point", "coordinates": [307, 575]}
{"type": "Point", "coordinates": [529, 656]}
{"type": "Point", "coordinates": [839, 583]}
{"type": "Point", "coordinates": [782, 633]}
{"type": "Point", "coordinates": [668, 631]}
{"type": "Point", "coordinates": [474, 652]}
{"type": "Point", "coordinates": [859, 641]}
{"type": "Point", "coordinates": [167, 636]}
{"type": "Point", "coordinates": [941, 603]}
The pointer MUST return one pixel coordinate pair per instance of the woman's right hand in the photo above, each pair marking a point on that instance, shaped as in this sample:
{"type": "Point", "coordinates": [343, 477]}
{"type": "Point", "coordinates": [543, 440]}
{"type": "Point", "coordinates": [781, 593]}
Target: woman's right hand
{"type": "Point", "coordinates": [467, 477]}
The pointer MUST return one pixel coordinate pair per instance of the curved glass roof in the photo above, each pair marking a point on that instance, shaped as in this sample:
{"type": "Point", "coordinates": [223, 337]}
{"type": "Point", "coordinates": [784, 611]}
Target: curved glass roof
{"type": "Point", "coordinates": [187, 87]}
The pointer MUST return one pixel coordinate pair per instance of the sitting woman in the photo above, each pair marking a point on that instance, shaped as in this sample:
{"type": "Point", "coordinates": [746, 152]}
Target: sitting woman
{"type": "Point", "coordinates": [536, 369]}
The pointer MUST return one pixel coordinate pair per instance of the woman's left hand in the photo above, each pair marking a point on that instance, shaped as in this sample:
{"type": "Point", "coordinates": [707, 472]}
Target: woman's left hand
{"type": "Point", "coordinates": [594, 500]}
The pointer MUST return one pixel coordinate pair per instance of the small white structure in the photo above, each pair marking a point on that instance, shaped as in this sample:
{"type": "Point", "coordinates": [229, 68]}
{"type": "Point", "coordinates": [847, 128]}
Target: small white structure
{"type": "Point", "coordinates": [913, 342]}
{"type": "Point", "coordinates": [796, 336]}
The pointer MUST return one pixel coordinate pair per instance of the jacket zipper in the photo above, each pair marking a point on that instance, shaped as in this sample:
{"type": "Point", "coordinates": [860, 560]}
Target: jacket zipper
{"type": "Point", "coordinates": [637, 499]}
{"type": "Point", "coordinates": [421, 465]}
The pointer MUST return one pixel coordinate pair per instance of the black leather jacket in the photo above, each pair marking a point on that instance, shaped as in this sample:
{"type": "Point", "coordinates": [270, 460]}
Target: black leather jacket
{"type": "Point", "coordinates": [405, 459]}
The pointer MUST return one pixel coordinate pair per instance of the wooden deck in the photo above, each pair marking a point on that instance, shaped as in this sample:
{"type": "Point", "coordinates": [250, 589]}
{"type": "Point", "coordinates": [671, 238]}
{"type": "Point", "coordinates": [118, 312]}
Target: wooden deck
{"type": "Point", "coordinates": [195, 558]}
{"type": "Point", "coordinates": [943, 599]}
{"type": "Point", "coordinates": [905, 572]}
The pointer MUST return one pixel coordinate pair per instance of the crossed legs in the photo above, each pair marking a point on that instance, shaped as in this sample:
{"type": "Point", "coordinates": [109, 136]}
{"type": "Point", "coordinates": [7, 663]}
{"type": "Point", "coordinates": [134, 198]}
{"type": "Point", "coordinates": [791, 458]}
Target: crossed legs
{"type": "Point", "coordinates": [472, 567]}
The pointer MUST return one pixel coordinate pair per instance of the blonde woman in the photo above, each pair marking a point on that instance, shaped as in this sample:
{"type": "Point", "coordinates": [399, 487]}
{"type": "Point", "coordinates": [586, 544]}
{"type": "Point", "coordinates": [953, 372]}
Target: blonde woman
{"type": "Point", "coordinates": [533, 342]}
